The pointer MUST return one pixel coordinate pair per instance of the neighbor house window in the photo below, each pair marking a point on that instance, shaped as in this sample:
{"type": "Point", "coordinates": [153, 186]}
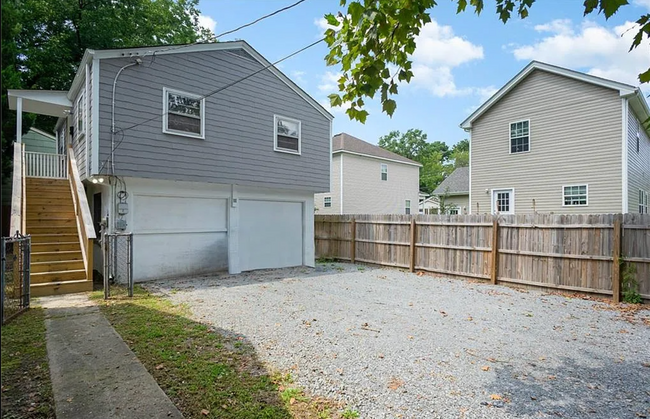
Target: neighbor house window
{"type": "Point", "coordinates": [574, 195]}
{"type": "Point", "coordinates": [643, 202]}
{"type": "Point", "coordinates": [79, 116]}
{"type": "Point", "coordinates": [503, 201]}
{"type": "Point", "coordinates": [384, 172]}
{"type": "Point", "coordinates": [184, 114]}
{"type": "Point", "coordinates": [407, 206]}
{"type": "Point", "coordinates": [327, 202]}
{"type": "Point", "coordinates": [519, 137]}
{"type": "Point", "coordinates": [453, 211]}
{"type": "Point", "coordinates": [287, 135]}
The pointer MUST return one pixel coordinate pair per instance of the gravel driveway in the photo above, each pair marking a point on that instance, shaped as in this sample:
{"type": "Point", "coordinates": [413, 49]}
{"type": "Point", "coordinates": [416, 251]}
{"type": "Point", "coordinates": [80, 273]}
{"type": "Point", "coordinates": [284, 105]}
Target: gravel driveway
{"type": "Point", "coordinates": [394, 344]}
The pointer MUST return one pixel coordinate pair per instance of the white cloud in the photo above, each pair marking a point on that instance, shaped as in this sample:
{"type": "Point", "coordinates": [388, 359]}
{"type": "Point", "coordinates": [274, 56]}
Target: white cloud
{"type": "Point", "coordinates": [643, 3]}
{"type": "Point", "coordinates": [599, 50]}
{"type": "Point", "coordinates": [437, 53]}
{"type": "Point", "coordinates": [298, 76]}
{"type": "Point", "coordinates": [207, 22]}
{"type": "Point", "coordinates": [329, 82]}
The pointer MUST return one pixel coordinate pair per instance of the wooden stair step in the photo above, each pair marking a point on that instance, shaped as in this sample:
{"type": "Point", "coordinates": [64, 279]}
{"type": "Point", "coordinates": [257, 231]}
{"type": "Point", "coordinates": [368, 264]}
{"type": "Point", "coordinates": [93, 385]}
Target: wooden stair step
{"type": "Point", "coordinates": [56, 256]}
{"type": "Point", "coordinates": [48, 194]}
{"type": "Point", "coordinates": [56, 247]}
{"type": "Point", "coordinates": [56, 266]}
{"type": "Point", "coordinates": [51, 229]}
{"type": "Point", "coordinates": [54, 276]}
{"type": "Point", "coordinates": [61, 207]}
{"type": "Point", "coordinates": [52, 222]}
{"type": "Point", "coordinates": [32, 179]}
{"type": "Point", "coordinates": [60, 287]}
{"type": "Point", "coordinates": [54, 238]}
{"type": "Point", "coordinates": [32, 215]}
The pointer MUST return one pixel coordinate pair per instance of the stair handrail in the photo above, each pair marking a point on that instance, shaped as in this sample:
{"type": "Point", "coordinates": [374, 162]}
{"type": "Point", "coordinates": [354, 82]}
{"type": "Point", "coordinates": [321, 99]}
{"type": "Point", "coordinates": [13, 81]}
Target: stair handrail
{"type": "Point", "coordinates": [18, 196]}
{"type": "Point", "coordinates": [82, 214]}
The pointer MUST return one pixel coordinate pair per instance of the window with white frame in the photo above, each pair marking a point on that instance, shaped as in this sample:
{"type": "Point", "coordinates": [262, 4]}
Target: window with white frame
{"type": "Point", "coordinates": [643, 201]}
{"type": "Point", "coordinates": [452, 211]}
{"type": "Point", "coordinates": [327, 202]}
{"type": "Point", "coordinates": [384, 172]}
{"type": "Point", "coordinates": [407, 206]}
{"type": "Point", "coordinates": [184, 114]}
{"type": "Point", "coordinates": [574, 196]}
{"type": "Point", "coordinates": [503, 201]}
{"type": "Point", "coordinates": [520, 137]}
{"type": "Point", "coordinates": [287, 135]}
{"type": "Point", "coordinates": [79, 117]}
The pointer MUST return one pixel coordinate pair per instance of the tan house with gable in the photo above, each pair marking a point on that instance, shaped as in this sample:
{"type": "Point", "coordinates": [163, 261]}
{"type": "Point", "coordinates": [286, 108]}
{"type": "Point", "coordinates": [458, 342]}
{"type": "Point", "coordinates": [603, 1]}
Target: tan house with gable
{"type": "Point", "coordinates": [366, 179]}
{"type": "Point", "coordinates": [554, 140]}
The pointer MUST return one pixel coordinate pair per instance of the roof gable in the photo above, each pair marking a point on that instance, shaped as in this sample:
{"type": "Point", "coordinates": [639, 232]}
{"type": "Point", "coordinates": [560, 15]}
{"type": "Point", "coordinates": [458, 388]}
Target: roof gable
{"type": "Point", "coordinates": [624, 90]}
{"type": "Point", "coordinates": [347, 143]}
{"type": "Point", "coordinates": [456, 183]}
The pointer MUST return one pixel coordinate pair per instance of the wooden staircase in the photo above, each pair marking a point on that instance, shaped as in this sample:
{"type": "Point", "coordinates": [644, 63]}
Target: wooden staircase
{"type": "Point", "coordinates": [57, 264]}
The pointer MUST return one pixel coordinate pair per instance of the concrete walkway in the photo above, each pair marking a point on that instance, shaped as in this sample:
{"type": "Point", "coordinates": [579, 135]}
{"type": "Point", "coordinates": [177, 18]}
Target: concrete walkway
{"type": "Point", "coordinates": [94, 373]}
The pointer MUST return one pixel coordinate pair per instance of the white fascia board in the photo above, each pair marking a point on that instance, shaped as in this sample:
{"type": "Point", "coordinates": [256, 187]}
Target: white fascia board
{"type": "Point", "coordinates": [95, 117]}
{"type": "Point", "coordinates": [376, 157]}
{"type": "Point", "coordinates": [624, 155]}
{"type": "Point", "coordinates": [624, 89]}
{"type": "Point", "coordinates": [79, 77]}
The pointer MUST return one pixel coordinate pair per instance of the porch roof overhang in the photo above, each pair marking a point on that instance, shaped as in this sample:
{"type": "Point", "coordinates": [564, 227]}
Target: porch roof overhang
{"type": "Point", "coordinates": [41, 102]}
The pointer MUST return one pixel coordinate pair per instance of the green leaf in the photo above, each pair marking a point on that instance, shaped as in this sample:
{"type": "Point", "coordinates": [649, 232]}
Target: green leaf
{"type": "Point", "coordinates": [335, 100]}
{"type": "Point", "coordinates": [355, 10]}
{"type": "Point", "coordinates": [609, 7]}
{"type": "Point", "coordinates": [332, 20]}
{"type": "Point", "coordinates": [645, 76]}
{"type": "Point", "coordinates": [389, 106]}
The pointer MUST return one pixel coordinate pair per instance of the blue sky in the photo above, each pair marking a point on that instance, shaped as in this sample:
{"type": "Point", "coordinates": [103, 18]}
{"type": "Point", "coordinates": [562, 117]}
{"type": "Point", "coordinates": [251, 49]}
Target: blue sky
{"type": "Point", "coordinates": [460, 61]}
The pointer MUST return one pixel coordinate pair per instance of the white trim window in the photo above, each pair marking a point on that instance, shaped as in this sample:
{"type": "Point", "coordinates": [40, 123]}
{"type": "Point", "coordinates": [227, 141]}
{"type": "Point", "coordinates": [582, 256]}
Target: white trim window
{"type": "Point", "coordinates": [286, 135]}
{"type": "Point", "coordinates": [327, 202]}
{"type": "Point", "coordinates": [452, 211]}
{"type": "Point", "coordinates": [80, 117]}
{"type": "Point", "coordinates": [407, 207]}
{"type": "Point", "coordinates": [184, 113]}
{"type": "Point", "coordinates": [520, 136]}
{"type": "Point", "coordinates": [503, 201]}
{"type": "Point", "coordinates": [643, 201]}
{"type": "Point", "coordinates": [384, 171]}
{"type": "Point", "coordinates": [575, 196]}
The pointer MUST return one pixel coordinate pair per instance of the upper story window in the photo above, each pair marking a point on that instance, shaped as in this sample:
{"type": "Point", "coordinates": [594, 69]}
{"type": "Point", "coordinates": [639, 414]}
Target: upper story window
{"type": "Point", "coordinates": [184, 114]}
{"type": "Point", "coordinates": [80, 117]}
{"type": "Point", "coordinates": [384, 172]}
{"type": "Point", "coordinates": [574, 195]}
{"type": "Point", "coordinates": [520, 137]}
{"type": "Point", "coordinates": [327, 202]}
{"type": "Point", "coordinates": [287, 135]}
{"type": "Point", "coordinates": [407, 206]}
{"type": "Point", "coordinates": [643, 202]}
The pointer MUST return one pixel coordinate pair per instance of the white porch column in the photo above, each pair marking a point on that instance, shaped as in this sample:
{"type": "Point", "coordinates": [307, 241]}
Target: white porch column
{"type": "Point", "coordinates": [19, 120]}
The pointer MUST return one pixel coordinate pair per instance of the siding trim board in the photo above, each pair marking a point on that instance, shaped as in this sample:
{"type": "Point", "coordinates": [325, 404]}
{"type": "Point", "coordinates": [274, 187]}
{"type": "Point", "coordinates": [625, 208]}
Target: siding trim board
{"type": "Point", "coordinates": [95, 117]}
{"type": "Point", "coordinates": [87, 117]}
{"type": "Point", "coordinates": [341, 181]}
{"type": "Point", "coordinates": [624, 156]}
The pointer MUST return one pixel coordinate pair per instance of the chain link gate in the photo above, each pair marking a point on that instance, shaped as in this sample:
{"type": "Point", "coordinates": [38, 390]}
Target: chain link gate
{"type": "Point", "coordinates": [16, 251]}
{"type": "Point", "coordinates": [117, 249]}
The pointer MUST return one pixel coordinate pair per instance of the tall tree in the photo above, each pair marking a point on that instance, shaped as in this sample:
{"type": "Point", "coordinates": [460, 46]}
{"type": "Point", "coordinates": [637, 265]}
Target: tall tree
{"type": "Point", "coordinates": [374, 40]}
{"type": "Point", "coordinates": [43, 41]}
{"type": "Point", "coordinates": [460, 154]}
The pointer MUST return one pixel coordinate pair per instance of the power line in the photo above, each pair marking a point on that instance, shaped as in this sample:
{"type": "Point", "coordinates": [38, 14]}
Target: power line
{"type": "Point", "coordinates": [214, 92]}
{"type": "Point", "coordinates": [260, 19]}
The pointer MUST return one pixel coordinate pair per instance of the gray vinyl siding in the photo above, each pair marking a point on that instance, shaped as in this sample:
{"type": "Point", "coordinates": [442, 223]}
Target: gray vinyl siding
{"type": "Point", "coordinates": [638, 164]}
{"type": "Point", "coordinates": [79, 143]}
{"type": "Point", "coordinates": [39, 143]}
{"type": "Point", "coordinates": [239, 126]}
{"type": "Point", "coordinates": [334, 193]}
{"type": "Point", "coordinates": [575, 139]}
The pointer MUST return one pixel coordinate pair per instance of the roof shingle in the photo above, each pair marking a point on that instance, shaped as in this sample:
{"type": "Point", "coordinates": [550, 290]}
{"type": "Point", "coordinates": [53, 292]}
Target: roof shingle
{"type": "Point", "coordinates": [456, 183]}
{"type": "Point", "coordinates": [346, 142]}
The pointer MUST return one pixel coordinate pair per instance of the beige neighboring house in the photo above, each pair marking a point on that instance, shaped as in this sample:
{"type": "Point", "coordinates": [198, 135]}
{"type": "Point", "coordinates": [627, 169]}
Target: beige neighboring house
{"type": "Point", "coordinates": [453, 192]}
{"type": "Point", "coordinates": [429, 204]}
{"type": "Point", "coordinates": [554, 140]}
{"type": "Point", "coordinates": [366, 179]}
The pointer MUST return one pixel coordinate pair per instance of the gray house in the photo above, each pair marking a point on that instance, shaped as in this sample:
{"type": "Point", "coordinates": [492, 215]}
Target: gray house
{"type": "Point", "coordinates": [453, 192]}
{"type": "Point", "coordinates": [209, 154]}
{"type": "Point", "coordinates": [561, 141]}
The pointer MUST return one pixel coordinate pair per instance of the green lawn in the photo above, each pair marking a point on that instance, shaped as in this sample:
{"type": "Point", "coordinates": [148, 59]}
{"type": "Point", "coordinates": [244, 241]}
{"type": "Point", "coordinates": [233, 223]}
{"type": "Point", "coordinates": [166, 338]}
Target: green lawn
{"type": "Point", "coordinates": [204, 372]}
{"type": "Point", "coordinates": [26, 386]}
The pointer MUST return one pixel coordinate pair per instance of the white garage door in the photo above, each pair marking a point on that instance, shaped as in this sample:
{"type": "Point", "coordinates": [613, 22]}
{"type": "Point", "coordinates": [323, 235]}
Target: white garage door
{"type": "Point", "coordinates": [270, 234]}
{"type": "Point", "coordinates": [178, 235]}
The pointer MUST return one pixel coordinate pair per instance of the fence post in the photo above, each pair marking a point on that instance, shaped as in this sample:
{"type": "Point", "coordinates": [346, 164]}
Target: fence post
{"type": "Point", "coordinates": [353, 241]}
{"type": "Point", "coordinates": [130, 262]}
{"type": "Point", "coordinates": [494, 268]}
{"type": "Point", "coordinates": [2, 273]}
{"type": "Point", "coordinates": [412, 262]}
{"type": "Point", "coordinates": [616, 258]}
{"type": "Point", "coordinates": [26, 256]}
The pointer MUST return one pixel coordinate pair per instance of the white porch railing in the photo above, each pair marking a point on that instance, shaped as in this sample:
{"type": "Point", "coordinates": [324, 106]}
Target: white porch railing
{"type": "Point", "coordinates": [46, 165]}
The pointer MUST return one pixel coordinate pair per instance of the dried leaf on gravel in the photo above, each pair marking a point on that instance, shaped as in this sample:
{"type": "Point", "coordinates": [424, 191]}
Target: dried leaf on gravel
{"type": "Point", "coordinates": [395, 383]}
{"type": "Point", "coordinates": [160, 366]}
{"type": "Point", "coordinates": [496, 396]}
{"type": "Point", "coordinates": [485, 368]}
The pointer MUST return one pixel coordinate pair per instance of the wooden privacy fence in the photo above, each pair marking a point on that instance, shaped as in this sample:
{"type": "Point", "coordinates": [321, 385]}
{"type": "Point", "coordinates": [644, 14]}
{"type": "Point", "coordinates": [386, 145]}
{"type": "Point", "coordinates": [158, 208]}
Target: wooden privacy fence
{"type": "Point", "coordinates": [566, 252]}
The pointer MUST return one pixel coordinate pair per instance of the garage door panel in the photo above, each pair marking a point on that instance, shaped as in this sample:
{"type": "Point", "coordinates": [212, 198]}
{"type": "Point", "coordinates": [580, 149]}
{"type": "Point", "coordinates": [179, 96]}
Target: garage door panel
{"type": "Point", "coordinates": [271, 234]}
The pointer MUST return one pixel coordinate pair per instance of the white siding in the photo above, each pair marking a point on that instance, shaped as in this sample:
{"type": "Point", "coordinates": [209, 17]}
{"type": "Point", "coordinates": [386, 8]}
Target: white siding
{"type": "Point", "coordinates": [638, 164]}
{"type": "Point", "coordinates": [575, 138]}
{"type": "Point", "coordinates": [335, 193]}
{"type": "Point", "coordinates": [365, 193]}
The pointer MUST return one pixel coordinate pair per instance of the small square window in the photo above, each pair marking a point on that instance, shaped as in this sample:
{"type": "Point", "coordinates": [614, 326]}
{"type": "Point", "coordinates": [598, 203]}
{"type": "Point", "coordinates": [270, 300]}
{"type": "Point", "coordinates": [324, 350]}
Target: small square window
{"type": "Point", "coordinates": [184, 114]}
{"type": "Point", "coordinates": [384, 172]}
{"type": "Point", "coordinates": [327, 202]}
{"type": "Point", "coordinates": [287, 135]}
{"type": "Point", "coordinates": [407, 206]}
{"type": "Point", "coordinates": [574, 196]}
{"type": "Point", "coordinates": [453, 211]}
{"type": "Point", "coordinates": [643, 202]}
{"type": "Point", "coordinates": [519, 137]}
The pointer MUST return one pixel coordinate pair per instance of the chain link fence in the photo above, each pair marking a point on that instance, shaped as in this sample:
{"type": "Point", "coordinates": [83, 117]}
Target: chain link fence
{"type": "Point", "coordinates": [117, 249]}
{"type": "Point", "coordinates": [15, 275]}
